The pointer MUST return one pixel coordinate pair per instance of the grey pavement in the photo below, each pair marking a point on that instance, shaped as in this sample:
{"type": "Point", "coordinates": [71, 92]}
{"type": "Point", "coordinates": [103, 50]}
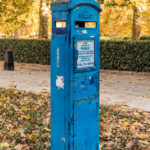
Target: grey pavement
{"type": "Point", "coordinates": [131, 88]}
{"type": "Point", "coordinates": [116, 87]}
{"type": "Point", "coordinates": [28, 77]}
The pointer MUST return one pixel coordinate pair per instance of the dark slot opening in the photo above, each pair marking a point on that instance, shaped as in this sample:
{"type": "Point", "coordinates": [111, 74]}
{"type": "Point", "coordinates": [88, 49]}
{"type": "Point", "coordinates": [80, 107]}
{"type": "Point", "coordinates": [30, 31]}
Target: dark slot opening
{"type": "Point", "coordinates": [80, 24]}
{"type": "Point", "coordinates": [85, 24]}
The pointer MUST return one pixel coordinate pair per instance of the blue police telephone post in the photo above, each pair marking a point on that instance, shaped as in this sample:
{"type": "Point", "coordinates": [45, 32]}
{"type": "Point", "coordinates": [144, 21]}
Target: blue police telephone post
{"type": "Point", "coordinates": [75, 64]}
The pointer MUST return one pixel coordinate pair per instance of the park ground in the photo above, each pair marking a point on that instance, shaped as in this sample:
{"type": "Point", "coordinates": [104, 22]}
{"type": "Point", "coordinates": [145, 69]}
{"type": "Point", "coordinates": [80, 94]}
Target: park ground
{"type": "Point", "coordinates": [25, 123]}
{"type": "Point", "coordinates": [25, 109]}
{"type": "Point", "coordinates": [116, 87]}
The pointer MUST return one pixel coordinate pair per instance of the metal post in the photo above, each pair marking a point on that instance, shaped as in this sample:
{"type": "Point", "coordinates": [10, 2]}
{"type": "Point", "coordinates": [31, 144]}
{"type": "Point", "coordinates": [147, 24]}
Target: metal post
{"type": "Point", "coordinates": [75, 64]}
{"type": "Point", "coordinates": [9, 61]}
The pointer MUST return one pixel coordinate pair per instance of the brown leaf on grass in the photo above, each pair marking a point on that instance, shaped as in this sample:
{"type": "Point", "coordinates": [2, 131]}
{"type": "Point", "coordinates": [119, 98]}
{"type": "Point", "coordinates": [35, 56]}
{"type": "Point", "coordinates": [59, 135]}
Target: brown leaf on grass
{"type": "Point", "coordinates": [129, 128]}
{"type": "Point", "coordinates": [129, 144]}
{"type": "Point", "coordinates": [26, 121]}
{"type": "Point", "coordinates": [22, 118]}
{"type": "Point", "coordinates": [143, 136]}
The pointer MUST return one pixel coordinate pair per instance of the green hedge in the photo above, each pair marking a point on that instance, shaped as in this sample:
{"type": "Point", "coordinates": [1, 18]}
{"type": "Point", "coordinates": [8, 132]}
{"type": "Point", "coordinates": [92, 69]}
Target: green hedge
{"type": "Point", "coordinates": [145, 38]}
{"type": "Point", "coordinates": [131, 56]}
{"type": "Point", "coordinates": [123, 38]}
{"type": "Point", "coordinates": [28, 51]}
{"type": "Point", "coordinates": [115, 38]}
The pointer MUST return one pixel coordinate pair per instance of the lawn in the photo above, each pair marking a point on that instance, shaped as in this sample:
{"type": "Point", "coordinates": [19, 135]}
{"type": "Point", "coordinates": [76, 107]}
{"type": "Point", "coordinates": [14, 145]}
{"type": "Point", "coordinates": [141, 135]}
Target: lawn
{"type": "Point", "coordinates": [25, 124]}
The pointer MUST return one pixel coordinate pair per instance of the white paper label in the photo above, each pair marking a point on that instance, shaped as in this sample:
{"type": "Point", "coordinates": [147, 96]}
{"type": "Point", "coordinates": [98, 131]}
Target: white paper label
{"type": "Point", "coordinates": [85, 53]}
{"type": "Point", "coordinates": [84, 31]}
{"type": "Point", "coordinates": [60, 82]}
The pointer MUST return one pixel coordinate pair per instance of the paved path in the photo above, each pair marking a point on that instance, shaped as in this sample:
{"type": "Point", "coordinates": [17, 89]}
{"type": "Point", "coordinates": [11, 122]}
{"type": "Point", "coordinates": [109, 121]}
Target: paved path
{"type": "Point", "coordinates": [29, 77]}
{"type": "Point", "coordinates": [117, 87]}
{"type": "Point", "coordinates": [129, 88]}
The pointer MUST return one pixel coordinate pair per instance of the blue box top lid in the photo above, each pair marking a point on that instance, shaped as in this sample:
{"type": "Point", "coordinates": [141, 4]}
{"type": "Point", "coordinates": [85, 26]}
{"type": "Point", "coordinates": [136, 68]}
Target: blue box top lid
{"type": "Point", "coordinates": [59, 5]}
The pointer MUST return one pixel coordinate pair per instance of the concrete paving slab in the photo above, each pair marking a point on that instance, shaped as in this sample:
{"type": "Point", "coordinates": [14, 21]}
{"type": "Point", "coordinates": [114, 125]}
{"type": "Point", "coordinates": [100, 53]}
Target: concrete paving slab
{"type": "Point", "coordinates": [28, 77]}
{"type": "Point", "coordinates": [117, 87]}
{"type": "Point", "coordinates": [131, 88]}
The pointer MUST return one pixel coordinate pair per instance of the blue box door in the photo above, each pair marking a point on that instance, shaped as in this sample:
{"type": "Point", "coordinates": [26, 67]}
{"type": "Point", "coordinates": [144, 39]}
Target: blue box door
{"type": "Point", "coordinates": [86, 125]}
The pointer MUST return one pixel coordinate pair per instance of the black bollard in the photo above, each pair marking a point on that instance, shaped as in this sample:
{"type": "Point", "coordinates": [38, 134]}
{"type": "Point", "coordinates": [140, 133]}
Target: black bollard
{"type": "Point", "coordinates": [9, 61]}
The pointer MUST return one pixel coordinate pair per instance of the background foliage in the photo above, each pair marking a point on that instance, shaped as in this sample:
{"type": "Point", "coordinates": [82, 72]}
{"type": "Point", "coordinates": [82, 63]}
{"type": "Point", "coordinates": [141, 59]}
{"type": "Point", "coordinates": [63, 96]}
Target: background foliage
{"type": "Point", "coordinates": [32, 18]}
{"type": "Point", "coordinates": [125, 18]}
{"type": "Point", "coordinates": [29, 51]}
{"type": "Point", "coordinates": [131, 56]}
{"type": "Point", "coordinates": [14, 14]}
{"type": "Point", "coordinates": [118, 55]}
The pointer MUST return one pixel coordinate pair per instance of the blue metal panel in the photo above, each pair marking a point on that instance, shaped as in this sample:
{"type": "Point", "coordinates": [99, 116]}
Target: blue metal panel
{"type": "Point", "coordinates": [86, 81]}
{"type": "Point", "coordinates": [86, 86]}
{"type": "Point", "coordinates": [72, 4]}
{"type": "Point", "coordinates": [86, 125]}
{"type": "Point", "coordinates": [57, 94]}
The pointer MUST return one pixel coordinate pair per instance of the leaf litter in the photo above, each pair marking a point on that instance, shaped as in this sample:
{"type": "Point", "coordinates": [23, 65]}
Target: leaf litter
{"type": "Point", "coordinates": [25, 123]}
{"type": "Point", "coordinates": [24, 120]}
{"type": "Point", "coordinates": [124, 128]}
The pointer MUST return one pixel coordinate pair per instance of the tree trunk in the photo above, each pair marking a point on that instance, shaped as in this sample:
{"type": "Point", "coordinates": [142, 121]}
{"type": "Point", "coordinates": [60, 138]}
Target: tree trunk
{"type": "Point", "coordinates": [43, 20]}
{"type": "Point", "coordinates": [136, 28]}
{"type": "Point", "coordinates": [16, 34]}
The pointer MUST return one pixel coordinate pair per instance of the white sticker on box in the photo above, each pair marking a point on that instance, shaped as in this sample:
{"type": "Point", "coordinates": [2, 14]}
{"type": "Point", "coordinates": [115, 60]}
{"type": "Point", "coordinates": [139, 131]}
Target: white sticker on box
{"type": "Point", "coordinates": [84, 31]}
{"type": "Point", "coordinates": [85, 53]}
{"type": "Point", "coordinates": [60, 82]}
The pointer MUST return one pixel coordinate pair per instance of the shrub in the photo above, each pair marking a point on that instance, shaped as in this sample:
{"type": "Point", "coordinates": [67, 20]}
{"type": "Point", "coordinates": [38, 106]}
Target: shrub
{"type": "Point", "coordinates": [115, 38]}
{"type": "Point", "coordinates": [131, 56]}
{"type": "Point", "coordinates": [145, 38]}
{"type": "Point", "coordinates": [28, 51]}
{"type": "Point", "coordinates": [115, 55]}
{"type": "Point", "coordinates": [123, 38]}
